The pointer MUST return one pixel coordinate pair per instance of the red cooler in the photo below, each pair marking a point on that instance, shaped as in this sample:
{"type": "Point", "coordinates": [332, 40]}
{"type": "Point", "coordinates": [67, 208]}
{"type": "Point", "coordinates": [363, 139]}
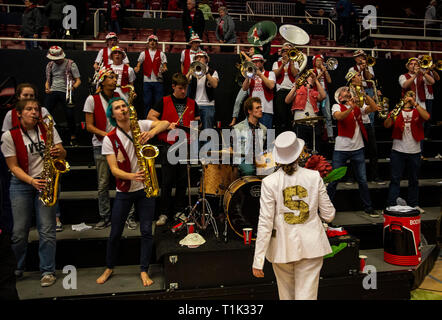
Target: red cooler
{"type": "Point", "coordinates": [402, 234]}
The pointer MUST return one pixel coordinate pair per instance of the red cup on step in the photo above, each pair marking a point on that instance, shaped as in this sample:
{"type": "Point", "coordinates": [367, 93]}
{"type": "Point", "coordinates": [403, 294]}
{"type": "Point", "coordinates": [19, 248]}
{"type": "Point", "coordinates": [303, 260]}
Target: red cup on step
{"type": "Point", "coordinates": [362, 260]}
{"type": "Point", "coordinates": [218, 124]}
{"type": "Point", "coordinates": [190, 227]}
{"type": "Point", "coordinates": [247, 235]}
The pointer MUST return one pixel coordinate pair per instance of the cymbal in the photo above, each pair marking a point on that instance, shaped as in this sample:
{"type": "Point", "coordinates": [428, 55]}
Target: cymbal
{"type": "Point", "coordinates": [224, 151]}
{"type": "Point", "coordinates": [309, 119]}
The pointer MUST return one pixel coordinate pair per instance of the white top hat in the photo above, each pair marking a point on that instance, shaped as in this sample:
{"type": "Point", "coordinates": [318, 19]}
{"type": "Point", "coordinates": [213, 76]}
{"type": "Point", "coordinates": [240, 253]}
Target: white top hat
{"type": "Point", "coordinates": [337, 92]}
{"type": "Point", "coordinates": [55, 53]}
{"type": "Point", "coordinates": [287, 148]}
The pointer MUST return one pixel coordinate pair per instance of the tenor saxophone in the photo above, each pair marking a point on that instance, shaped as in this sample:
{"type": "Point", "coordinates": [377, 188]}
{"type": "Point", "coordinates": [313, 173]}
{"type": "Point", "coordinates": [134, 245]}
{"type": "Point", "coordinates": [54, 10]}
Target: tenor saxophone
{"type": "Point", "coordinates": [146, 154]}
{"type": "Point", "coordinates": [51, 168]}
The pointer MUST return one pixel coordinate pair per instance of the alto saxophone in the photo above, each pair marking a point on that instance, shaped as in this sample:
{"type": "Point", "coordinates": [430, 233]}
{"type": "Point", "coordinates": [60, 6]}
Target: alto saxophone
{"type": "Point", "coordinates": [384, 103]}
{"type": "Point", "coordinates": [51, 168]}
{"type": "Point", "coordinates": [146, 154]}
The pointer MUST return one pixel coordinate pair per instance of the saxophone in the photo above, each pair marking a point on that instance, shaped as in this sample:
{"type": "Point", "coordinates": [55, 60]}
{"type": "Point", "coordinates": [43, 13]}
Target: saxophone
{"type": "Point", "coordinates": [384, 103]}
{"type": "Point", "coordinates": [146, 154]}
{"type": "Point", "coordinates": [51, 168]}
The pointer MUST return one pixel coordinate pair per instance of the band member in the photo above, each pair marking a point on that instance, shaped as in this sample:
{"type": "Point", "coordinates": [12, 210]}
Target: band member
{"type": "Point", "coordinates": [290, 232]}
{"type": "Point", "coordinates": [188, 55]}
{"type": "Point", "coordinates": [118, 147]}
{"type": "Point", "coordinates": [367, 73]}
{"type": "Point", "coordinates": [178, 109]}
{"type": "Point", "coordinates": [242, 94]}
{"type": "Point", "coordinates": [416, 80]}
{"type": "Point", "coordinates": [371, 144]}
{"type": "Point", "coordinates": [28, 91]}
{"type": "Point", "coordinates": [24, 148]}
{"type": "Point", "coordinates": [126, 75]}
{"type": "Point", "coordinates": [285, 70]}
{"type": "Point", "coordinates": [154, 65]}
{"type": "Point", "coordinates": [99, 126]}
{"type": "Point", "coordinates": [248, 132]}
{"type": "Point", "coordinates": [262, 86]}
{"type": "Point", "coordinates": [408, 131]}
{"type": "Point", "coordinates": [324, 79]}
{"type": "Point", "coordinates": [304, 102]}
{"type": "Point", "coordinates": [104, 55]}
{"type": "Point", "coordinates": [203, 90]}
{"type": "Point", "coordinates": [429, 99]}
{"type": "Point", "coordinates": [349, 142]}
{"type": "Point", "coordinates": [61, 73]}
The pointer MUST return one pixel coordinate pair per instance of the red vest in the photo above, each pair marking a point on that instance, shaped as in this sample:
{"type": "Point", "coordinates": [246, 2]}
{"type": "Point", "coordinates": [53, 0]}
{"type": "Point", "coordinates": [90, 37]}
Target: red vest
{"type": "Point", "coordinates": [149, 66]}
{"type": "Point", "coordinates": [420, 88]}
{"type": "Point", "coordinates": [186, 62]}
{"type": "Point", "coordinates": [281, 76]}
{"type": "Point", "coordinates": [100, 119]}
{"type": "Point", "coordinates": [170, 114]}
{"type": "Point", "coordinates": [347, 126]}
{"type": "Point", "coordinates": [122, 185]}
{"type": "Point", "coordinates": [268, 93]}
{"type": "Point", "coordinates": [417, 127]}
{"type": "Point", "coordinates": [301, 99]}
{"type": "Point", "coordinates": [20, 148]}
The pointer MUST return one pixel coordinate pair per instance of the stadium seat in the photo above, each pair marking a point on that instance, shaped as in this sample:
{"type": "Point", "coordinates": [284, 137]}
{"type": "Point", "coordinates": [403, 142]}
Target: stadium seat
{"type": "Point", "coordinates": [424, 45]}
{"type": "Point", "coordinates": [410, 45]}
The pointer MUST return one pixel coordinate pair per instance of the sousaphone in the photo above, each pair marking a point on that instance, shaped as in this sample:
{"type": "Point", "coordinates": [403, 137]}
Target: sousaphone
{"type": "Point", "coordinates": [297, 37]}
{"type": "Point", "coordinates": [262, 33]}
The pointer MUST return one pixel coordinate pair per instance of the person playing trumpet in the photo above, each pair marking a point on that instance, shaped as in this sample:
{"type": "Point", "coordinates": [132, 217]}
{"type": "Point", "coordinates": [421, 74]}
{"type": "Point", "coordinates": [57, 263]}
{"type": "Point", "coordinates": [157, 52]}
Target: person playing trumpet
{"type": "Point", "coordinates": [202, 90]}
{"type": "Point", "coordinates": [285, 70]}
{"type": "Point", "coordinates": [261, 86]}
{"type": "Point", "coordinates": [408, 131]}
{"type": "Point", "coordinates": [304, 100]}
{"type": "Point", "coordinates": [324, 79]}
{"type": "Point", "coordinates": [154, 65]}
{"type": "Point", "coordinates": [350, 140]}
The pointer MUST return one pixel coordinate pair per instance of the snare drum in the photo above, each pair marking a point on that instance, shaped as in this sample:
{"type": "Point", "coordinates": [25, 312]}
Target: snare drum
{"type": "Point", "coordinates": [217, 178]}
{"type": "Point", "coordinates": [241, 204]}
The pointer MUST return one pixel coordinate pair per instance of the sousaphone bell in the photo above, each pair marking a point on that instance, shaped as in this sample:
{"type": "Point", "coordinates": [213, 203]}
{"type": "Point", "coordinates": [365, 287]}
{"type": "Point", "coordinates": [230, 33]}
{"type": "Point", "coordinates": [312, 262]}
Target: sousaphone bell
{"type": "Point", "coordinates": [296, 36]}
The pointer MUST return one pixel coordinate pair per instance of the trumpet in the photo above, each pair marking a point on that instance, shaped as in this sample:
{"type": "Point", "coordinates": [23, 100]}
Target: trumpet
{"type": "Point", "coordinates": [69, 86]}
{"type": "Point", "coordinates": [248, 69]}
{"type": "Point", "coordinates": [198, 69]}
{"type": "Point", "coordinates": [303, 78]}
{"type": "Point", "coordinates": [331, 64]}
{"type": "Point", "coordinates": [297, 56]}
{"type": "Point", "coordinates": [371, 61]}
{"type": "Point", "coordinates": [438, 65]}
{"type": "Point", "coordinates": [397, 109]}
{"type": "Point", "coordinates": [425, 62]}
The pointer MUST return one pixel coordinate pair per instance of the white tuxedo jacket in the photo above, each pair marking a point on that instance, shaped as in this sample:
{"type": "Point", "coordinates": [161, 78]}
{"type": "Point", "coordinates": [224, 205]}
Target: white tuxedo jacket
{"type": "Point", "coordinates": [289, 227]}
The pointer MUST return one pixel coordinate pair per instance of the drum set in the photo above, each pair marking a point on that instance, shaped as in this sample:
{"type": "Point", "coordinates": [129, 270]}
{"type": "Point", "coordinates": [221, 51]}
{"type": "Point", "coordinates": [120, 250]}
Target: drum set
{"type": "Point", "coordinates": [237, 196]}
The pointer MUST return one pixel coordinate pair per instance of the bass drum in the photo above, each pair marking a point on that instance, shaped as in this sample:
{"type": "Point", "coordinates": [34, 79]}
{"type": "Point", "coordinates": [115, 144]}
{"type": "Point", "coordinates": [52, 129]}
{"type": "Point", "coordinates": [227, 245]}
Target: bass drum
{"type": "Point", "coordinates": [241, 204]}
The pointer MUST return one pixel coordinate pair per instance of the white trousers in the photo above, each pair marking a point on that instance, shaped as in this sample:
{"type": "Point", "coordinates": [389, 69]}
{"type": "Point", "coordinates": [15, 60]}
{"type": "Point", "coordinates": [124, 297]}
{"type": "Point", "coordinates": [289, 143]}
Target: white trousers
{"type": "Point", "coordinates": [298, 280]}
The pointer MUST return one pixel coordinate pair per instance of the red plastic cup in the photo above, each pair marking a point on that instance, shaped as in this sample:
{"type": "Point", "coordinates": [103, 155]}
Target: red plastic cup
{"type": "Point", "coordinates": [190, 227]}
{"type": "Point", "coordinates": [218, 124]}
{"type": "Point", "coordinates": [247, 235]}
{"type": "Point", "coordinates": [362, 260]}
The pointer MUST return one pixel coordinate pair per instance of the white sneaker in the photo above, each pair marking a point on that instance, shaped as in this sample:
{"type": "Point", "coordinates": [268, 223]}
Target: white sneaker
{"type": "Point", "coordinates": [162, 220]}
{"type": "Point", "coordinates": [421, 211]}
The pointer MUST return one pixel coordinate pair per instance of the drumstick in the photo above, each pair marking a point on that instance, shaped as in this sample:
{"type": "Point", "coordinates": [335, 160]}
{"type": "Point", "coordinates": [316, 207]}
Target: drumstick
{"type": "Point", "coordinates": [179, 119]}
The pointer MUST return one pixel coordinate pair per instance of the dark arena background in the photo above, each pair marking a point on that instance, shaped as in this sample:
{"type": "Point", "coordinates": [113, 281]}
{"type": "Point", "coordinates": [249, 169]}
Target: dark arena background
{"type": "Point", "coordinates": [219, 269]}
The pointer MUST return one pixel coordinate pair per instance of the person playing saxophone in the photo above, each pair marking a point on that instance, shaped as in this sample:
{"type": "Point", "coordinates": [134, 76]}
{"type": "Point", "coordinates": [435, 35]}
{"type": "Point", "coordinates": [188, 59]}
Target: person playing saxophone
{"type": "Point", "coordinates": [119, 149]}
{"type": "Point", "coordinates": [24, 148]}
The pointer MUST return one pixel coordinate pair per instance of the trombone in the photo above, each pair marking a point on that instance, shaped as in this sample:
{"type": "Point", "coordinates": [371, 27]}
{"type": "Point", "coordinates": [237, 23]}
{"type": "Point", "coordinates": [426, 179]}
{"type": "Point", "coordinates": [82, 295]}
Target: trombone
{"type": "Point", "coordinates": [69, 85]}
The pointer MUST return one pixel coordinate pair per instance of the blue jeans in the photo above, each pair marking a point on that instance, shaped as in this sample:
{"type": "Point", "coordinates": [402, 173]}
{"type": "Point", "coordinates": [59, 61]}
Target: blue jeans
{"type": "Point", "coordinates": [24, 200]}
{"type": "Point", "coordinates": [153, 92]}
{"type": "Point", "coordinates": [207, 116]}
{"type": "Point", "coordinates": [398, 162]}
{"type": "Point", "coordinates": [146, 209]}
{"type": "Point", "coordinates": [357, 159]}
{"type": "Point", "coordinates": [266, 120]}
{"type": "Point", "coordinates": [103, 179]}
{"type": "Point", "coordinates": [239, 99]}
{"type": "Point", "coordinates": [325, 108]}
{"type": "Point", "coordinates": [370, 93]}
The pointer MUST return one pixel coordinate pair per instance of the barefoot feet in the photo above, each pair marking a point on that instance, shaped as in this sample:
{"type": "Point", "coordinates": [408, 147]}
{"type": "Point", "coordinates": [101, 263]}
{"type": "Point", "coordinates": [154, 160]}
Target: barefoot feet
{"type": "Point", "coordinates": [146, 280]}
{"type": "Point", "coordinates": [103, 278]}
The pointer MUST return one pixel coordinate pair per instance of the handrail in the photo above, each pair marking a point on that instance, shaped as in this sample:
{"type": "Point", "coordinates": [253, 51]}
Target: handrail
{"type": "Point", "coordinates": [237, 45]}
